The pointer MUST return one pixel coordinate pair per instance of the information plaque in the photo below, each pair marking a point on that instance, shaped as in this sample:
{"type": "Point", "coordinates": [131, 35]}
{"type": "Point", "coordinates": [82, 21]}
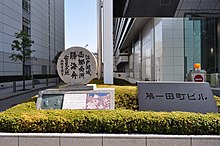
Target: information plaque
{"type": "Point", "coordinates": [52, 101]}
{"type": "Point", "coordinates": [176, 96]}
{"type": "Point", "coordinates": [74, 101]}
{"type": "Point", "coordinates": [102, 99]}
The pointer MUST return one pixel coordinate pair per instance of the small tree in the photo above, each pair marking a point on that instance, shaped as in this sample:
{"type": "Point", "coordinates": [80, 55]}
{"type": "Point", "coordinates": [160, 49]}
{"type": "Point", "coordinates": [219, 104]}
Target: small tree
{"type": "Point", "coordinates": [21, 50]}
{"type": "Point", "coordinates": [55, 60]}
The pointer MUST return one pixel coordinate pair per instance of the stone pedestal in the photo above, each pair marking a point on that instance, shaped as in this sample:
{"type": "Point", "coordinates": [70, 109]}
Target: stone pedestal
{"type": "Point", "coordinates": [77, 87]}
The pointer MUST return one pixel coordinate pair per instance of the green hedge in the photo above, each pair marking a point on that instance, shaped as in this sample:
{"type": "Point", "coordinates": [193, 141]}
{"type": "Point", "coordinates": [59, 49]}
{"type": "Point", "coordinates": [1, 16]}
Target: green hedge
{"type": "Point", "coordinates": [116, 81]}
{"type": "Point", "coordinates": [125, 96]}
{"type": "Point", "coordinates": [217, 99]}
{"type": "Point", "coordinates": [25, 118]}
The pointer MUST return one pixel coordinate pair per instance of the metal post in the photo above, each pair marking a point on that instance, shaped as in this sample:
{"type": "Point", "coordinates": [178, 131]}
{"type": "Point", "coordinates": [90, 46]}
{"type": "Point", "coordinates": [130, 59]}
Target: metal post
{"type": "Point", "coordinates": [47, 82]}
{"type": "Point", "coordinates": [33, 84]}
{"type": "Point", "coordinates": [99, 37]}
{"type": "Point", "coordinates": [14, 87]}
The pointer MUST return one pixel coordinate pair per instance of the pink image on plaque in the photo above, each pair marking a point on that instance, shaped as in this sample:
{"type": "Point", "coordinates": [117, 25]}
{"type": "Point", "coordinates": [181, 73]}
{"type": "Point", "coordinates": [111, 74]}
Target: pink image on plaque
{"type": "Point", "coordinates": [98, 101]}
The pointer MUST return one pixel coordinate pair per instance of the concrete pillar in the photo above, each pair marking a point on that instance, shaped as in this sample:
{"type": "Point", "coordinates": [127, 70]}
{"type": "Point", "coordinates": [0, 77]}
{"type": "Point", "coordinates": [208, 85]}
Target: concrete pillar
{"type": "Point", "coordinates": [108, 41]}
{"type": "Point", "coordinates": [99, 37]}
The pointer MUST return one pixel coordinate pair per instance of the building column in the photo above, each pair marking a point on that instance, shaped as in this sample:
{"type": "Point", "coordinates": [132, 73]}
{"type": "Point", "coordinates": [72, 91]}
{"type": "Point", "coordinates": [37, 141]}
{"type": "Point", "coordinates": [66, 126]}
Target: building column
{"type": "Point", "coordinates": [99, 37]}
{"type": "Point", "coordinates": [108, 41]}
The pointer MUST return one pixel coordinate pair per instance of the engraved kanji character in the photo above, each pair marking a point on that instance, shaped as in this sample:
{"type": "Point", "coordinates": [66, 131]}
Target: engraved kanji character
{"type": "Point", "coordinates": [61, 64]}
{"type": "Point", "coordinates": [74, 75]}
{"type": "Point", "coordinates": [66, 72]}
{"type": "Point", "coordinates": [81, 69]}
{"type": "Point", "coordinates": [82, 75]}
{"type": "Point", "coordinates": [180, 96]}
{"type": "Point", "coordinates": [88, 72]}
{"type": "Point", "coordinates": [66, 57]}
{"type": "Point", "coordinates": [81, 55]}
{"type": "Point", "coordinates": [169, 95]}
{"type": "Point", "coordinates": [87, 67]}
{"type": "Point", "coordinates": [149, 96]}
{"type": "Point", "coordinates": [73, 55]}
{"type": "Point", "coordinates": [191, 97]}
{"type": "Point", "coordinates": [73, 65]}
{"type": "Point", "coordinates": [81, 61]}
{"type": "Point", "coordinates": [201, 97]}
{"type": "Point", "coordinates": [87, 57]}
{"type": "Point", "coordinates": [160, 96]}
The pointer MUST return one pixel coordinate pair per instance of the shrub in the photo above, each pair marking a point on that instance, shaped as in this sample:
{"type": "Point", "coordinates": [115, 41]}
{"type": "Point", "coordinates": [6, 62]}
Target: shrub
{"type": "Point", "coordinates": [116, 81]}
{"type": "Point", "coordinates": [125, 96]}
{"type": "Point", "coordinates": [25, 118]}
{"type": "Point", "coordinates": [217, 99]}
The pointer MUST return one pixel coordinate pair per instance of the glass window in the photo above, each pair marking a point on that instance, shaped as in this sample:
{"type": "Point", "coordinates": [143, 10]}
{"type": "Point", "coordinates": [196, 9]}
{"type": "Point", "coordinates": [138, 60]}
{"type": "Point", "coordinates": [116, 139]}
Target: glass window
{"type": "Point", "coordinates": [201, 44]}
{"type": "Point", "coordinates": [27, 70]}
{"type": "Point", "coordinates": [137, 60]}
{"type": "Point", "coordinates": [26, 4]}
{"type": "Point", "coordinates": [44, 69]}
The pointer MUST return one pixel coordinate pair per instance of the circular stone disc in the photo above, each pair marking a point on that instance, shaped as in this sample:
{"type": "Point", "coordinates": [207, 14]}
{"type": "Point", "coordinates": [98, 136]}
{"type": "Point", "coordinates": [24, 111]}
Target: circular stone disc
{"type": "Point", "coordinates": [77, 66]}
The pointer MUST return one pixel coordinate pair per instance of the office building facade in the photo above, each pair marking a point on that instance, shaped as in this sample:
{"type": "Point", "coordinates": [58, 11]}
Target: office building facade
{"type": "Point", "coordinates": [164, 45]}
{"type": "Point", "coordinates": [43, 20]}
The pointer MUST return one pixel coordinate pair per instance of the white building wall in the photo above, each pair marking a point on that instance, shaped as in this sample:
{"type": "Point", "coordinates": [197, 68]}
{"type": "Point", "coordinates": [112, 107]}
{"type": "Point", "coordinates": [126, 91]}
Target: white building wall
{"type": "Point", "coordinates": [162, 54]}
{"type": "Point", "coordinates": [172, 60]}
{"type": "Point", "coordinates": [158, 49]}
{"type": "Point", "coordinates": [147, 51]}
{"type": "Point", "coordinates": [11, 22]}
{"type": "Point", "coordinates": [40, 34]}
{"type": "Point", "coordinates": [59, 35]}
{"type": "Point", "coordinates": [47, 32]}
{"type": "Point", "coordinates": [131, 65]}
{"type": "Point", "coordinates": [137, 59]}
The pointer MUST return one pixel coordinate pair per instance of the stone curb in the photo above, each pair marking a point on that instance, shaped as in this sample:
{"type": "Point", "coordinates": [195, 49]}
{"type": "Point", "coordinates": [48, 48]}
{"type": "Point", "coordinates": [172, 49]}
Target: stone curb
{"type": "Point", "coordinates": [79, 139]}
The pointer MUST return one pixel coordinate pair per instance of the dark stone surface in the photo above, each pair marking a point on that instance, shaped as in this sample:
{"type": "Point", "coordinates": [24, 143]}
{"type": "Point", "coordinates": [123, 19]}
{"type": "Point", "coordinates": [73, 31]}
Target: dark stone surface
{"type": "Point", "coordinates": [176, 96]}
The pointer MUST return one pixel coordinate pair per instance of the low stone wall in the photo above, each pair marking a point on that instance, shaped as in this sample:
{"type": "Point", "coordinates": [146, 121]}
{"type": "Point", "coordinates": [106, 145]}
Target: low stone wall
{"type": "Point", "coordinates": [121, 75]}
{"type": "Point", "coordinates": [7, 139]}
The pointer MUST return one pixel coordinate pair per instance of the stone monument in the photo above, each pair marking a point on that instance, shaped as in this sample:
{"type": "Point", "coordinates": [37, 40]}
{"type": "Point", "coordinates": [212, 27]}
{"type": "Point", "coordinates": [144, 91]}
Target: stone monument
{"type": "Point", "coordinates": [76, 66]}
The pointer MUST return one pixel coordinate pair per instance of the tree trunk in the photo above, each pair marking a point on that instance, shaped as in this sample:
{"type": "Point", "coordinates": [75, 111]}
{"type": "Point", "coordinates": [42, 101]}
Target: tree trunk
{"type": "Point", "coordinates": [23, 64]}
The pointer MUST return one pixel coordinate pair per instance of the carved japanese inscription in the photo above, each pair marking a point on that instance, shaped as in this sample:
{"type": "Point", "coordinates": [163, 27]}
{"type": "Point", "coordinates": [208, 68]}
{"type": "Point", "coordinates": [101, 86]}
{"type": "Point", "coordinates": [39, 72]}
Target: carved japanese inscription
{"type": "Point", "coordinates": [77, 66]}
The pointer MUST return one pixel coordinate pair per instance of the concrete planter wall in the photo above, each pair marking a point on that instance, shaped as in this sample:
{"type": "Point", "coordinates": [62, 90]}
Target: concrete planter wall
{"type": "Point", "coordinates": [7, 139]}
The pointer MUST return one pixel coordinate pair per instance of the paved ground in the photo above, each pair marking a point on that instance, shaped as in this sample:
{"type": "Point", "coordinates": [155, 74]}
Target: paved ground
{"type": "Point", "coordinates": [8, 92]}
{"type": "Point", "coordinates": [8, 98]}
